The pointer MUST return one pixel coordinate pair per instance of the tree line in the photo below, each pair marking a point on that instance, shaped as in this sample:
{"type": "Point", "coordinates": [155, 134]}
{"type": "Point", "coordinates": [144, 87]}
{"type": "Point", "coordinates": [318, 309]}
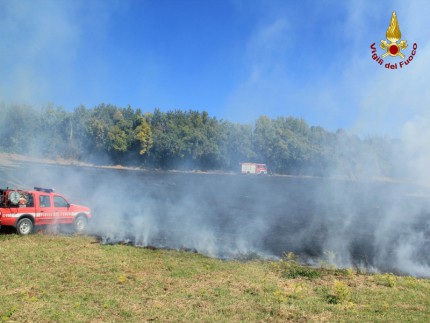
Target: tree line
{"type": "Point", "coordinates": [107, 134]}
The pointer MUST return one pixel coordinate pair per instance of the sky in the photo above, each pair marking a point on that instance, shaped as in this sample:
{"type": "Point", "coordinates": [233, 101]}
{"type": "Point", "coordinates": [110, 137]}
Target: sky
{"type": "Point", "coordinates": [235, 59]}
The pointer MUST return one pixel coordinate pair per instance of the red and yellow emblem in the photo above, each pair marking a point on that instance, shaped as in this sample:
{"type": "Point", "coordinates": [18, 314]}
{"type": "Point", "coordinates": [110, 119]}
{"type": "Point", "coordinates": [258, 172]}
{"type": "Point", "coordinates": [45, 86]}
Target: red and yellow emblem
{"type": "Point", "coordinates": [393, 34]}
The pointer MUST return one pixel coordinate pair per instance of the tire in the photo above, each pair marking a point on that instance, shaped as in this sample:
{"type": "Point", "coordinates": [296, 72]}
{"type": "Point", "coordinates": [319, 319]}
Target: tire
{"type": "Point", "coordinates": [25, 226]}
{"type": "Point", "coordinates": [80, 224]}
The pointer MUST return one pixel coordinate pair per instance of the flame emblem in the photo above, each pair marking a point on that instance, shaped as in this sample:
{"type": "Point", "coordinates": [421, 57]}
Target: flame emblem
{"type": "Point", "coordinates": [393, 34]}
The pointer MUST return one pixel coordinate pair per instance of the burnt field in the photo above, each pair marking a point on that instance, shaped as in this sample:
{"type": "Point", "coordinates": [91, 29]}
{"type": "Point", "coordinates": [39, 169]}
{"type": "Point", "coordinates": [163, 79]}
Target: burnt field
{"type": "Point", "coordinates": [373, 224]}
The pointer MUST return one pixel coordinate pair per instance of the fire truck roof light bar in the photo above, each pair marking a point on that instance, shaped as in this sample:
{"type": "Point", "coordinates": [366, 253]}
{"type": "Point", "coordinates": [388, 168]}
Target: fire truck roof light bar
{"type": "Point", "coordinates": [46, 190]}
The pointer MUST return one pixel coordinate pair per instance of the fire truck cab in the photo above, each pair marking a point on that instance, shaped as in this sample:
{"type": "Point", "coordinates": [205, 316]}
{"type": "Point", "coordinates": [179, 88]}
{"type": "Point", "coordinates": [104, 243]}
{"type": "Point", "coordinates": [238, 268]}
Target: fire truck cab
{"type": "Point", "coordinates": [25, 209]}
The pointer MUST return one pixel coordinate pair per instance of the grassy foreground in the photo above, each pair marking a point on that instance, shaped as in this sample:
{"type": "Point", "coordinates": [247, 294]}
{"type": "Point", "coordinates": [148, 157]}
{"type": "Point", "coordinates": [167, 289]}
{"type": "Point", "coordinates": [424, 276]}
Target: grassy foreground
{"type": "Point", "coordinates": [66, 278]}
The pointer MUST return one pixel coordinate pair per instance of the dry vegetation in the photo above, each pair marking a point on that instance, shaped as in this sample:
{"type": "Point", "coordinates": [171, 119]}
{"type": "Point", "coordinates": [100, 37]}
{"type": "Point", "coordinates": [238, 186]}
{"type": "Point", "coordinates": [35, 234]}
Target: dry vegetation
{"type": "Point", "coordinates": [66, 278]}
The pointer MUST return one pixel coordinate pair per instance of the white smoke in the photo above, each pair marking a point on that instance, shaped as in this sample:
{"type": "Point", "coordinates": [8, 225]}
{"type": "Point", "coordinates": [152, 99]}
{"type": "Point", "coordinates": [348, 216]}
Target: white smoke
{"type": "Point", "coordinates": [370, 224]}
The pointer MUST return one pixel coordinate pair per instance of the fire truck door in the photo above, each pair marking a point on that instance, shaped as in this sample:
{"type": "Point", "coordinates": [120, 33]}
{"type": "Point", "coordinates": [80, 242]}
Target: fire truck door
{"type": "Point", "coordinates": [62, 212]}
{"type": "Point", "coordinates": [45, 211]}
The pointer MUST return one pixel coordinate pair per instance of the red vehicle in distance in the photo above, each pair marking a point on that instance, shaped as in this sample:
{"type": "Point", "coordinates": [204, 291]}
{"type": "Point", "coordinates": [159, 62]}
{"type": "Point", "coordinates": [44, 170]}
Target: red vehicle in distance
{"type": "Point", "coordinates": [253, 168]}
{"type": "Point", "coordinates": [26, 209]}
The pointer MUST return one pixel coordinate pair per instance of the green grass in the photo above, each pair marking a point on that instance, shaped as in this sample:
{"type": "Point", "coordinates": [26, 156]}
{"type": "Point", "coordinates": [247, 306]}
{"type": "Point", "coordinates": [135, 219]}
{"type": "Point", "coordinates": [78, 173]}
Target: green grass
{"type": "Point", "coordinates": [48, 278]}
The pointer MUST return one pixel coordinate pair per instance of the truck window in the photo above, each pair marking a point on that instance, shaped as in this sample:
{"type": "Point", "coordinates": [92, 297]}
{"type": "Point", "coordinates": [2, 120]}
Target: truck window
{"type": "Point", "coordinates": [60, 202]}
{"type": "Point", "coordinates": [44, 201]}
{"type": "Point", "coordinates": [19, 199]}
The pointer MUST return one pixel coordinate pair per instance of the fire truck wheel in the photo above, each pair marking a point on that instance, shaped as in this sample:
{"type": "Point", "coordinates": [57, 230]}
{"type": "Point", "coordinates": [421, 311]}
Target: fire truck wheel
{"type": "Point", "coordinates": [80, 224]}
{"type": "Point", "coordinates": [24, 226]}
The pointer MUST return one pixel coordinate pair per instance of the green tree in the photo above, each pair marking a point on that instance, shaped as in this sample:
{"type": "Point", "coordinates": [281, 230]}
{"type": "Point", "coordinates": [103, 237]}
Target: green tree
{"type": "Point", "coordinates": [78, 136]}
{"type": "Point", "coordinates": [98, 130]}
{"type": "Point", "coordinates": [237, 144]}
{"type": "Point", "coordinates": [18, 129]}
{"type": "Point", "coordinates": [143, 134]}
{"type": "Point", "coordinates": [116, 139]}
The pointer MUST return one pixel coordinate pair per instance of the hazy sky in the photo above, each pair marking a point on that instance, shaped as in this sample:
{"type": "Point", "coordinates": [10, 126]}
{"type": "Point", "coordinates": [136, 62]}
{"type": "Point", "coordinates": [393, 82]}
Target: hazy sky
{"type": "Point", "coordinates": [236, 59]}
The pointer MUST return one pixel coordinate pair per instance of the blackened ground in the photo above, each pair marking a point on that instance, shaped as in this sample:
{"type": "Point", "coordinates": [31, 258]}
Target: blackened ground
{"type": "Point", "coordinates": [374, 224]}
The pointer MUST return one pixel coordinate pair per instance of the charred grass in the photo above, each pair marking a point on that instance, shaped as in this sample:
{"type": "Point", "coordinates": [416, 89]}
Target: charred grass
{"type": "Point", "coordinates": [47, 278]}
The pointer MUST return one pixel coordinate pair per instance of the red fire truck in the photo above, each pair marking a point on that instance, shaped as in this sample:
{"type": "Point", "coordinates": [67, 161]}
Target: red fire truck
{"type": "Point", "coordinates": [253, 168]}
{"type": "Point", "coordinates": [25, 209]}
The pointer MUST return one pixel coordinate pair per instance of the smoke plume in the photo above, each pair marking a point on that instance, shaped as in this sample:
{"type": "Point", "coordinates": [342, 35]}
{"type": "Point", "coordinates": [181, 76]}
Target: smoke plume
{"type": "Point", "coordinates": [377, 225]}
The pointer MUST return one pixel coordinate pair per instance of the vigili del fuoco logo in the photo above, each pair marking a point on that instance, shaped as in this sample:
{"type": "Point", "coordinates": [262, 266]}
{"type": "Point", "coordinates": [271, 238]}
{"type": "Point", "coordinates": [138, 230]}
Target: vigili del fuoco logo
{"type": "Point", "coordinates": [394, 47]}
